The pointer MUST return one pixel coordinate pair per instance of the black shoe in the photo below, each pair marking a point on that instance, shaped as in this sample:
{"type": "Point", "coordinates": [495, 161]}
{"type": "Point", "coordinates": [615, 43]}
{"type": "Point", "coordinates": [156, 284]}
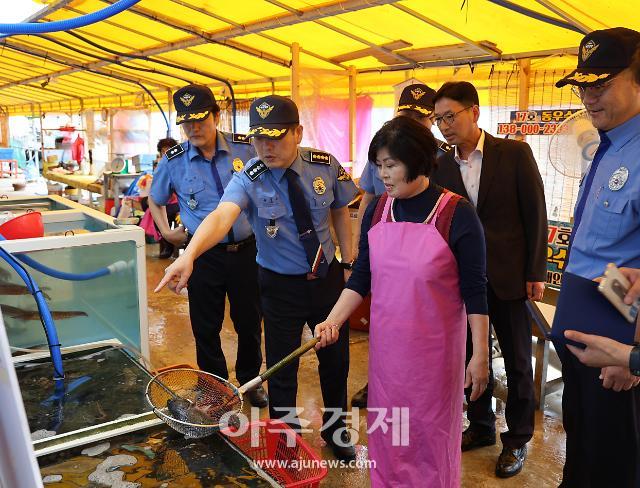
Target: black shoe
{"type": "Point", "coordinates": [511, 461]}
{"type": "Point", "coordinates": [360, 398]}
{"type": "Point", "coordinates": [344, 450]}
{"type": "Point", "coordinates": [258, 397]}
{"type": "Point", "coordinates": [166, 249]}
{"type": "Point", "coordinates": [472, 439]}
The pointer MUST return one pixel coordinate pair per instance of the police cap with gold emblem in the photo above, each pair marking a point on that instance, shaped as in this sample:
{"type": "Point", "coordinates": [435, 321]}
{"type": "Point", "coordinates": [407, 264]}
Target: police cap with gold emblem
{"type": "Point", "coordinates": [602, 55]}
{"type": "Point", "coordinates": [417, 97]}
{"type": "Point", "coordinates": [194, 103]}
{"type": "Point", "coordinates": [272, 116]}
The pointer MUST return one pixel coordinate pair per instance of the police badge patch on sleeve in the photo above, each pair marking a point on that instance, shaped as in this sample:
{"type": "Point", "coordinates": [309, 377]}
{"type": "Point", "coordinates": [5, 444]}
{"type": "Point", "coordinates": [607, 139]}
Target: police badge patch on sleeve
{"type": "Point", "coordinates": [343, 175]}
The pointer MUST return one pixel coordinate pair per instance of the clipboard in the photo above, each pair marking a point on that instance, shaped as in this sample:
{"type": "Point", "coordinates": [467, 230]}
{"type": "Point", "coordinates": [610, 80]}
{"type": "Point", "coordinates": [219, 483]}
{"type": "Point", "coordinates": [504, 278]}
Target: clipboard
{"type": "Point", "coordinates": [583, 308]}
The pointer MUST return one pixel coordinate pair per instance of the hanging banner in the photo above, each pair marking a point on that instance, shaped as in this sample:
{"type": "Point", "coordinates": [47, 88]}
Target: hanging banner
{"type": "Point", "coordinates": [557, 249]}
{"type": "Point", "coordinates": [535, 122]}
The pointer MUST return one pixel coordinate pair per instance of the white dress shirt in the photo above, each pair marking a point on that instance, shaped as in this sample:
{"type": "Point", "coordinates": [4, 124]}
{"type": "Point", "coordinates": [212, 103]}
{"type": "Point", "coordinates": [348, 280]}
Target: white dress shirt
{"type": "Point", "coordinates": [471, 168]}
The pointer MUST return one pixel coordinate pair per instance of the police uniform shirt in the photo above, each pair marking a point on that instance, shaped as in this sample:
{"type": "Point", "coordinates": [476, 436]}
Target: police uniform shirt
{"type": "Point", "coordinates": [187, 173]}
{"type": "Point", "coordinates": [370, 180]}
{"type": "Point", "coordinates": [609, 231]}
{"type": "Point", "coordinates": [264, 195]}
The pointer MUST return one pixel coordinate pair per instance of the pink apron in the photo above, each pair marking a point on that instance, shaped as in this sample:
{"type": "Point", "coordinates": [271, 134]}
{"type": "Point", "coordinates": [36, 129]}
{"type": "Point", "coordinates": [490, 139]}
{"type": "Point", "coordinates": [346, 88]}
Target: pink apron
{"type": "Point", "coordinates": [416, 354]}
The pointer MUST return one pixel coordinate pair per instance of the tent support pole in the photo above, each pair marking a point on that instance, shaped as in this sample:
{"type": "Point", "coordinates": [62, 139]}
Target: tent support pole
{"type": "Point", "coordinates": [523, 90]}
{"type": "Point", "coordinates": [352, 115]}
{"type": "Point", "coordinates": [295, 73]}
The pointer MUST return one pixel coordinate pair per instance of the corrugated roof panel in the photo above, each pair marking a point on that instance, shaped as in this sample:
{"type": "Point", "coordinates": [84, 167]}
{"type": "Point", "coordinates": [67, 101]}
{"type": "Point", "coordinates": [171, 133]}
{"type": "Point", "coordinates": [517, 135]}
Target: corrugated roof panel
{"type": "Point", "coordinates": [128, 22]}
{"type": "Point", "coordinates": [512, 32]}
{"type": "Point", "coordinates": [317, 39]}
{"type": "Point", "coordinates": [242, 12]}
{"type": "Point", "coordinates": [180, 11]}
{"type": "Point", "coordinates": [477, 20]}
{"type": "Point", "coordinates": [240, 66]}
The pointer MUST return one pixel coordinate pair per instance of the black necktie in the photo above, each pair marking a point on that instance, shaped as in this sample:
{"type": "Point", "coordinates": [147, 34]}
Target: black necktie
{"type": "Point", "coordinates": [220, 188]}
{"type": "Point", "coordinates": [306, 231]}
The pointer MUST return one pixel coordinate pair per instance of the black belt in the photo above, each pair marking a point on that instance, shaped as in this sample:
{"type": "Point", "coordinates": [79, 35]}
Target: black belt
{"type": "Point", "coordinates": [306, 276]}
{"type": "Point", "coordinates": [230, 246]}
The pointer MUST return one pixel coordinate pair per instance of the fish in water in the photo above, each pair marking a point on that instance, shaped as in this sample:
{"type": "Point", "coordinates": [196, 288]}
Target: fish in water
{"type": "Point", "coordinates": [185, 411]}
{"type": "Point", "coordinates": [15, 289]}
{"type": "Point", "coordinates": [22, 314]}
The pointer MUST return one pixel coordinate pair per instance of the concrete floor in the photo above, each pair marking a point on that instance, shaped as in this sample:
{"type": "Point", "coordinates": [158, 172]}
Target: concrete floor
{"type": "Point", "coordinates": [171, 342]}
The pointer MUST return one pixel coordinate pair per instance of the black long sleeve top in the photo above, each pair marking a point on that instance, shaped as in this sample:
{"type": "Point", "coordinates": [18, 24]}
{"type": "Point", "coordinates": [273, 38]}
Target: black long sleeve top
{"type": "Point", "coordinates": [466, 240]}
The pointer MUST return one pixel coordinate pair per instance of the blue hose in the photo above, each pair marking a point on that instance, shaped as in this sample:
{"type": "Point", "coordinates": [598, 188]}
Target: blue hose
{"type": "Point", "coordinates": [45, 315]}
{"type": "Point", "coordinates": [63, 275]}
{"type": "Point", "coordinates": [68, 24]}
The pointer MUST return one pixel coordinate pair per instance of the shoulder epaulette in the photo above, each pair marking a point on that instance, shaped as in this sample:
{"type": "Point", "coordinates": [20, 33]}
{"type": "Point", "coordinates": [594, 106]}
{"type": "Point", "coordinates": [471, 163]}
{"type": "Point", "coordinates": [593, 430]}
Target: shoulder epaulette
{"type": "Point", "coordinates": [255, 170]}
{"type": "Point", "coordinates": [443, 146]}
{"type": "Point", "coordinates": [175, 151]}
{"type": "Point", "coordinates": [240, 138]}
{"type": "Point", "coordinates": [320, 157]}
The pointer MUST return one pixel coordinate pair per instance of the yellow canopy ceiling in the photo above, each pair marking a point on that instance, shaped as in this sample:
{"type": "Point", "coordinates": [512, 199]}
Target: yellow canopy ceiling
{"type": "Point", "coordinates": [163, 44]}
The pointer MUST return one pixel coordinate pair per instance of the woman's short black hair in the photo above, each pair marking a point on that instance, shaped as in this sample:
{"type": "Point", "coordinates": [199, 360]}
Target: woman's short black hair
{"type": "Point", "coordinates": [407, 141]}
{"type": "Point", "coordinates": [461, 91]}
{"type": "Point", "coordinates": [167, 142]}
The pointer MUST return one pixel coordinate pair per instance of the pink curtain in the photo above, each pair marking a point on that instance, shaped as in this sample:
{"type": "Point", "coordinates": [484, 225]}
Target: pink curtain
{"type": "Point", "coordinates": [331, 124]}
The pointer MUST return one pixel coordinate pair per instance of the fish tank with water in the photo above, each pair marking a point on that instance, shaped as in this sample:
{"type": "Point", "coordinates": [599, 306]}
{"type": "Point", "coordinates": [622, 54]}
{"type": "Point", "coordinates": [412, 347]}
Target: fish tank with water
{"type": "Point", "coordinates": [100, 314]}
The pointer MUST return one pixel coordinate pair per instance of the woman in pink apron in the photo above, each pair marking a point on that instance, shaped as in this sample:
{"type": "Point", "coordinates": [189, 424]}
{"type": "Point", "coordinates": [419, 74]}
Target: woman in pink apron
{"type": "Point", "coordinates": [422, 256]}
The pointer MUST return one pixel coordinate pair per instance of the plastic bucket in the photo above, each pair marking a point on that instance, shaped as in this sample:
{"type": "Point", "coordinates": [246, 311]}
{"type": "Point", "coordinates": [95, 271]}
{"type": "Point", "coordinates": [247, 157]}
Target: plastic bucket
{"type": "Point", "coordinates": [24, 226]}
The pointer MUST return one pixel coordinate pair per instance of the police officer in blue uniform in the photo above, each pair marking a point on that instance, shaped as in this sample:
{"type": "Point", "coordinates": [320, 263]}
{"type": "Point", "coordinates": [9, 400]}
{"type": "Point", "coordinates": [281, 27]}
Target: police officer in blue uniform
{"type": "Point", "coordinates": [601, 408]}
{"type": "Point", "coordinates": [415, 102]}
{"type": "Point", "coordinates": [288, 194]}
{"type": "Point", "coordinates": [198, 171]}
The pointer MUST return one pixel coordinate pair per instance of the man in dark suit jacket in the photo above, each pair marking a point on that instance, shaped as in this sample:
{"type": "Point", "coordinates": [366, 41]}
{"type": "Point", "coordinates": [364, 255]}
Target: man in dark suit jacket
{"type": "Point", "coordinates": [501, 178]}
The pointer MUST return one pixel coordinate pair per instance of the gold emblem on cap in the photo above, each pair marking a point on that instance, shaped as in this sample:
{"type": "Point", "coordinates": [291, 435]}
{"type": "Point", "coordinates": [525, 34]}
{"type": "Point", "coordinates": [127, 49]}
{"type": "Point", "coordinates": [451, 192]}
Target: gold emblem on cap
{"type": "Point", "coordinates": [318, 185]}
{"type": "Point", "coordinates": [417, 108]}
{"type": "Point", "coordinates": [418, 93]}
{"type": "Point", "coordinates": [263, 131]}
{"type": "Point", "coordinates": [588, 49]}
{"type": "Point", "coordinates": [195, 116]}
{"type": "Point", "coordinates": [588, 77]}
{"type": "Point", "coordinates": [187, 98]}
{"type": "Point", "coordinates": [264, 109]}
{"type": "Point", "coordinates": [238, 165]}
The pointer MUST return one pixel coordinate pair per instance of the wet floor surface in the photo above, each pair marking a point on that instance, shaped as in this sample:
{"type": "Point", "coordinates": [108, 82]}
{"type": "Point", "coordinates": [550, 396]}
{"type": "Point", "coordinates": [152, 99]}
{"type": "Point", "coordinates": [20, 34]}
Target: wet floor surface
{"type": "Point", "coordinates": [171, 342]}
{"type": "Point", "coordinates": [156, 457]}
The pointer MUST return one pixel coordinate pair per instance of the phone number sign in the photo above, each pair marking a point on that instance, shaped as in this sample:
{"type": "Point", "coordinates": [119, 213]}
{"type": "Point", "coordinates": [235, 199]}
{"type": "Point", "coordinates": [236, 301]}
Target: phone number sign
{"type": "Point", "coordinates": [535, 122]}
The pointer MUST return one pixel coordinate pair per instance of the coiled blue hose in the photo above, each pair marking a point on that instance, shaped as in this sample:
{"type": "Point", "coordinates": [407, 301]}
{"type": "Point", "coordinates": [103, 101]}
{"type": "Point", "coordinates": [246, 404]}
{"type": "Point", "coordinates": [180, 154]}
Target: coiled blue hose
{"type": "Point", "coordinates": [68, 24]}
{"type": "Point", "coordinates": [45, 315]}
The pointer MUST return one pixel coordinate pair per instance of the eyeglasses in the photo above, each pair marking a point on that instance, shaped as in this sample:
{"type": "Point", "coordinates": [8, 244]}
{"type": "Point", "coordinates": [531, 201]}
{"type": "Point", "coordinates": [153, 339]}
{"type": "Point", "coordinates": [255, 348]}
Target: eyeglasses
{"type": "Point", "coordinates": [450, 117]}
{"type": "Point", "coordinates": [595, 91]}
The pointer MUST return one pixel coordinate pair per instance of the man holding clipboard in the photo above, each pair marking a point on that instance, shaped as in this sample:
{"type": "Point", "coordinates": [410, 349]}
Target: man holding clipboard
{"type": "Point", "coordinates": [601, 407]}
{"type": "Point", "coordinates": [602, 351]}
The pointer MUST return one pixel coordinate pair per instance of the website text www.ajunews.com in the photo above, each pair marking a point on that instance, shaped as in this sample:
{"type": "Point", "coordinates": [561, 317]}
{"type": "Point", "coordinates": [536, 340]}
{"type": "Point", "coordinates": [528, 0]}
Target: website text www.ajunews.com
{"type": "Point", "coordinates": [300, 464]}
